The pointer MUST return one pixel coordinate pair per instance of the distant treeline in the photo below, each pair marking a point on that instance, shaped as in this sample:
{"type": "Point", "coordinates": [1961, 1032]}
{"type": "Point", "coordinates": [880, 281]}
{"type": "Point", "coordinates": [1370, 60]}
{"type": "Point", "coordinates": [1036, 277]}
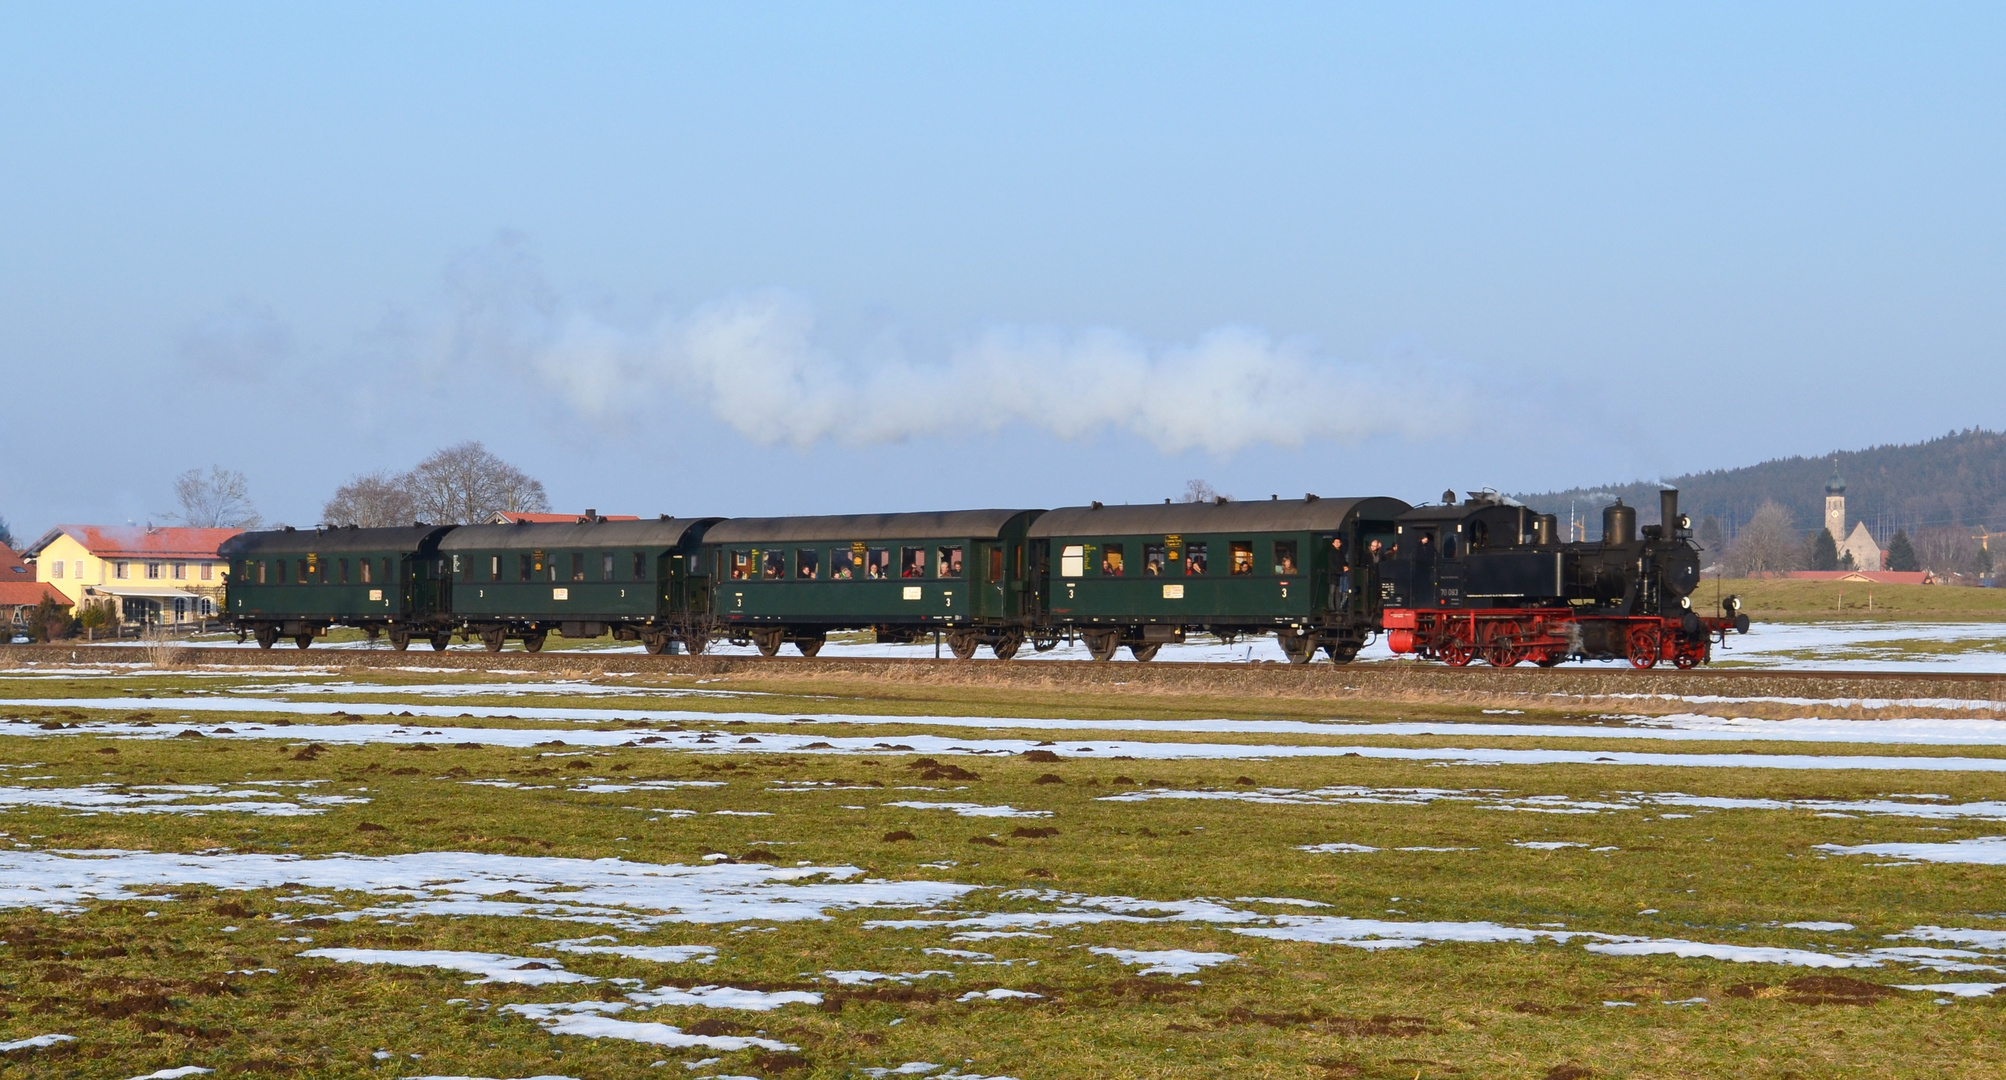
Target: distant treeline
{"type": "Point", "coordinates": [1957, 481]}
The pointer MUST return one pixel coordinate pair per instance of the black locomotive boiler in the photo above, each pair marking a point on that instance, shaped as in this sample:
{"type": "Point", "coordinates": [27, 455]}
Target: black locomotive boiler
{"type": "Point", "coordinates": [1490, 580]}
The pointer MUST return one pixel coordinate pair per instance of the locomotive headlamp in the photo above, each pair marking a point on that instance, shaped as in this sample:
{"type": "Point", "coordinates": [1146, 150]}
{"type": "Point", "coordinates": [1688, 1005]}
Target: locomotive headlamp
{"type": "Point", "coordinates": [1732, 604]}
{"type": "Point", "coordinates": [1686, 602]}
{"type": "Point", "coordinates": [1685, 523]}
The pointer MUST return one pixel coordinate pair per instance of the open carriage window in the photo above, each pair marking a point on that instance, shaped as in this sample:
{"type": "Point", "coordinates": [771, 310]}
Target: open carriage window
{"type": "Point", "coordinates": [606, 566]}
{"type": "Point", "coordinates": [741, 565]}
{"type": "Point", "coordinates": [1194, 559]}
{"type": "Point", "coordinates": [640, 566]}
{"type": "Point", "coordinates": [1243, 557]}
{"type": "Point", "coordinates": [1153, 560]}
{"type": "Point", "coordinates": [878, 564]}
{"type": "Point", "coordinates": [806, 563]}
{"type": "Point", "coordinates": [842, 564]}
{"type": "Point", "coordinates": [947, 562]}
{"type": "Point", "coordinates": [774, 566]}
{"type": "Point", "coordinates": [1073, 561]}
{"type": "Point", "coordinates": [1111, 560]}
{"type": "Point", "coordinates": [912, 562]}
{"type": "Point", "coordinates": [1285, 557]}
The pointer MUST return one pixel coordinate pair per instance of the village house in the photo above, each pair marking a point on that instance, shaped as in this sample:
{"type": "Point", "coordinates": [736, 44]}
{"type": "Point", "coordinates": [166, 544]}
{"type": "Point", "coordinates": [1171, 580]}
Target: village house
{"type": "Point", "coordinates": [20, 593]}
{"type": "Point", "coordinates": [153, 575]}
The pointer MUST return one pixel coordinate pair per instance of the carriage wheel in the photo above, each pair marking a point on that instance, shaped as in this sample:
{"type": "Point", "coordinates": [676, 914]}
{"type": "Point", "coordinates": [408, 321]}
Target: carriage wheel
{"type": "Point", "coordinates": [533, 642]}
{"type": "Point", "coordinates": [1297, 645]}
{"type": "Point", "coordinates": [696, 641]}
{"type": "Point", "coordinates": [493, 638]}
{"type": "Point", "coordinates": [1341, 652]}
{"type": "Point", "coordinates": [440, 640]}
{"type": "Point", "coordinates": [1644, 647]}
{"type": "Point", "coordinates": [656, 642]}
{"type": "Point", "coordinates": [963, 643]}
{"type": "Point", "coordinates": [808, 646]}
{"type": "Point", "coordinates": [1006, 645]}
{"type": "Point", "coordinates": [769, 641]}
{"type": "Point", "coordinates": [1044, 642]}
{"type": "Point", "coordinates": [303, 640]}
{"type": "Point", "coordinates": [1144, 652]}
{"type": "Point", "coordinates": [400, 639]}
{"type": "Point", "coordinates": [268, 636]}
{"type": "Point", "coordinates": [1101, 644]}
{"type": "Point", "coordinates": [1226, 637]}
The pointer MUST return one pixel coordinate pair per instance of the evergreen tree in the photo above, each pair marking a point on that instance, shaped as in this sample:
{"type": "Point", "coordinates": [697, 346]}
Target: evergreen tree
{"type": "Point", "coordinates": [1711, 536]}
{"type": "Point", "coordinates": [1901, 555]}
{"type": "Point", "coordinates": [1823, 553]}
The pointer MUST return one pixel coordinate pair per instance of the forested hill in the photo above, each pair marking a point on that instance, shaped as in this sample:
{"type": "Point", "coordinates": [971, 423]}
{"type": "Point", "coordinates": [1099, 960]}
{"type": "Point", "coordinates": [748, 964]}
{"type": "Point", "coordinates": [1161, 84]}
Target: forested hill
{"type": "Point", "coordinates": [1956, 480]}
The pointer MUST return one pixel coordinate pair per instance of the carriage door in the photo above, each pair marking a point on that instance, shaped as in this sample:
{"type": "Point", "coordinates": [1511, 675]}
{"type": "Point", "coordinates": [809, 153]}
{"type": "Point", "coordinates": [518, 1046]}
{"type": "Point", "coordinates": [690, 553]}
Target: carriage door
{"type": "Point", "coordinates": [990, 578]}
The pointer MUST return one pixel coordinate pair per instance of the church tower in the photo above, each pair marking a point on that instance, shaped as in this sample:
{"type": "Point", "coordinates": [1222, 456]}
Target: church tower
{"type": "Point", "coordinates": [1835, 505]}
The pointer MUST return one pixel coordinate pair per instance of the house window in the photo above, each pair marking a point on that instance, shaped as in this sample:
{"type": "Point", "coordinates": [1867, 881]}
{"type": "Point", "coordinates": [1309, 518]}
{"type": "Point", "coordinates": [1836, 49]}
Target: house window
{"type": "Point", "coordinates": [208, 571]}
{"type": "Point", "coordinates": [878, 564]}
{"type": "Point", "coordinates": [640, 566]}
{"type": "Point", "coordinates": [1243, 557]}
{"type": "Point", "coordinates": [774, 566]}
{"type": "Point", "coordinates": [153, 571]}
{"type": "Point", "coordinates": [1111, 560]}
{"type": "Point", "coordinates": [208, 607]}
{"type": "Point", "coordinates": [80, 570]}
{"type": "Point", "coordinates": [1285, 557]}
{"type": "Point", "coordinates": [181, 571]}
{"type": "Point", "coordinates": [56, 572]}
{"type": "Point", "coordinates": [606, 566]}
{"type": "Point", "coordinates": [947, 562]}
{"type": "Point", "coordinates": [842, 564]}
{"type": "Point", "coordinates": [1073, 561]}
{"type": "Point", "coordinates": [121, 571]}
{"type": "Point", "coordinates": [912, 562]}
{"type": "Point", "coordinates": [806, 564]}
{"type": "Point", "coordinates": [1194, 559]}
{"type": "Point", "coordinates": [180, 608]}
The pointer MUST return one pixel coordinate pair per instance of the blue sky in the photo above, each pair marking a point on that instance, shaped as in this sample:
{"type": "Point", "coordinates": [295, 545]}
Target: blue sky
{"type": "Point", "coordinates": [760, 259]}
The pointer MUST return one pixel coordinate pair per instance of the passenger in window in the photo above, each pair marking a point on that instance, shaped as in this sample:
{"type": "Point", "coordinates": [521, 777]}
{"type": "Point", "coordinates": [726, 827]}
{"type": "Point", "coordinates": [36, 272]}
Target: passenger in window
{"type": "Point", "coordinates": [1243, 557]}
{"type": "Point", "coordinates": [878, 564]}
{"type": "Point", "coordinates": [741, 565]}
{"type": "Point", "coordinates": [842, 564]}
{"type": "Point", "coordinates": [912, 562]}
{"type": "Point", "coordinates": [774, 566]}
{"type": "Point", "coordinates": [805, 566]}
{"type": "Point", "coordinates": [1194, 559]}
{"type": "Point", "coordinates": [1285, 556]}
{"type": "Point", "coordinates": [1111, 560]}
{"type": "Point", "coordinates": [947, 563]}
{"type": "Point", "coordinates": [1153, 560]}
{"type": "Point", "coordinates": [578, 566]}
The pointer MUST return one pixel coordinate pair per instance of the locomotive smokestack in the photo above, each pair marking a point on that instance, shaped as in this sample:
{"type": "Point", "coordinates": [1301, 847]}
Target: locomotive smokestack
{"type": "Point", "coordinates": [1668, 511]}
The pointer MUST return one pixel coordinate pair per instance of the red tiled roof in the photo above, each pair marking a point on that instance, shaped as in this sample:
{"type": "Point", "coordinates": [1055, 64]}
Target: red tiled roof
{"type": "Point", "coordinates": [27, 594]}
{"type": "Point", "coordinates": [1879, 577]}
{"type": "Point", "coordinates": [11, 565]}
{"type": "Point", "coordinates": [140, 542]}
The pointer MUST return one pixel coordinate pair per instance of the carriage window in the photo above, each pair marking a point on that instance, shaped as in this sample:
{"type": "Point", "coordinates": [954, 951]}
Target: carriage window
{"type": "Point", "coordinates": [1073, 561]}
{"type": "Point", "coordinates": [947, 562]}
{"type": "Point", "coordinates": [528, 568]}
{"type": "Point", "coordinates": [995, 565]}
{"type": "Point", "coordinates": [912, 562]}
{"type": "Point", "coordinates": [1152, 560]}
{"type": "Point", "coordinates": [774, 566]}
{"type": "Point", "coordinates": [388, 577]}
{"type": "Point", "coordinates": [344, 569]}
{"type": "Point", "coordinates": [741, 565]}
{"type": "Point", "coordinates": [805, 563]}
{"type": "Point", "coordinates": [640, 566]}
{"type": "Point", "coordinates": [1285, 556]}
{"type": "Point", "coordinates": [1243, 556]}
{"type": "Point", "coordinates": [1448, 545]}
{"type": "Point", "coordinates": [261, 572]}
{"type": "Point", "coordinates": [280, 576]}
{"type": "Point", "coordinates": [302, 578]}
{"type": "Point", "coordinates": [1480, 536]}
{"type": "Point", "coordinates": [842, 564]}
{"type": "Point", "coordinates": [1194, 558]}
{"type": "Point", "coordinates": [1111, 561]}
{"type": "Point", "coordinates": [362, 567]}
{"type": "Point", "coordinates": [494, 568]}
{"type": "Point", "coordinates": [878, 564]}
{"type": "Point", "coordinates": [578, 566]}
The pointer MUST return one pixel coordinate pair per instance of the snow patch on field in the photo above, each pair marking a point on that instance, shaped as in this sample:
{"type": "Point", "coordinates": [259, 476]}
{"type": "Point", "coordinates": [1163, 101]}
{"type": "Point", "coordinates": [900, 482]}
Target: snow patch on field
{"type": "Point", "coordinates": [587, 1019]}
{"type": "Point", "coordinates": [1166, 961]}
{"type": "Point", "coordinates": [660, 954]}
{"type": "Point", "coordinates": [963, 809]}
{"type": "Point", "coordinates": [175, 799]}
{"type": "Point", "coordinates": [491, 967]}
{"type": "Point", "coordinates": [1983, 850]}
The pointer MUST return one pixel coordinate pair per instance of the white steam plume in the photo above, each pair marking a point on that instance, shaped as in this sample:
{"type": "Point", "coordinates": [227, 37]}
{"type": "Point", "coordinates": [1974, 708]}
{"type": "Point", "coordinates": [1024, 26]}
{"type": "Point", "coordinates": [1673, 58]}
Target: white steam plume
{"type": "Point", "coordinates": [754, 363]}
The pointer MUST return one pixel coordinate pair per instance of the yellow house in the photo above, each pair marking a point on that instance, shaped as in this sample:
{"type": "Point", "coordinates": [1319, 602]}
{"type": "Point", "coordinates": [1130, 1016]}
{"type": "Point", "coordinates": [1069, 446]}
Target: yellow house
{"type": "Point", "coordinates": [153, 575]}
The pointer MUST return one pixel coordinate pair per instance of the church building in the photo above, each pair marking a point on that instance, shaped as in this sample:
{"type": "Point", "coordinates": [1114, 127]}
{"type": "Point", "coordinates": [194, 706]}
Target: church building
{"type": "Point", "coordinates": [1858, 543]}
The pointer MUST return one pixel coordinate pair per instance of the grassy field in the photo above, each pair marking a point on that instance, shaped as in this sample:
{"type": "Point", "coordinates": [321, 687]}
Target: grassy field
{"type": "Point", "coordinates": [1436, 961]}
{"type": "Point", "coordinates": [1787, 600]}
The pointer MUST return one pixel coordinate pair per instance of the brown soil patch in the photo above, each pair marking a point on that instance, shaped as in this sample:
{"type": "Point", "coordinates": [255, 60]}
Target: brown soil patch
{"type": "Point", "coordinates": [897, 835]}
{"type": "Point", "coordinates": [1050, 778]}
{"type": "Point", "coordinates": [1040, 755]}
{"type": "Point", "coordinates": [985, 841]}
{"type": "Point", "coordinates": [1036, 832]}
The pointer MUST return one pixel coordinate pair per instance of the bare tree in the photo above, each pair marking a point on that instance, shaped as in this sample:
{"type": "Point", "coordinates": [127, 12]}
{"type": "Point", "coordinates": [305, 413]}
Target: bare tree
{"type": "Point", "coordinates": [375, 500]}
{"type": "Point", "coordinates": [1768, 543]}
{"type": "Point", "coordinates": [1946, 549]}
{"type": "Point", "coordinates": [465, 484]}
{"type": "Point", "coordinates": [7, 535]}
{"type": "Point", "coordinates": [1198, 491]}
{"type": "Point", "coordinates": [219, 500]}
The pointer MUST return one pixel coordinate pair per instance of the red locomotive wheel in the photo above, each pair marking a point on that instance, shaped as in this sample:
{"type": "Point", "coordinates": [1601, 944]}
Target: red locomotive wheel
{"type": "Point", "coordinates": [1499, 648]}
{"type": "Point", "coordinates": [1690, 655]}
{"type": "Point", "coordinates": [1645, 647]}
{"type": "Point", "coordinates": [1459, 650]}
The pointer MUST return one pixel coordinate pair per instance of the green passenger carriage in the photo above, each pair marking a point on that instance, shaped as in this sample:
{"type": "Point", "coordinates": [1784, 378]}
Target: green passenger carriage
{"type": "Point", "coordinates": [967, 574]}
{"type": "Point", "coordinates": [295, 583]}
{"type": "Point", "coordinates": [640, 580]}
{"type": "Point", "coordinates": [1142, 576]}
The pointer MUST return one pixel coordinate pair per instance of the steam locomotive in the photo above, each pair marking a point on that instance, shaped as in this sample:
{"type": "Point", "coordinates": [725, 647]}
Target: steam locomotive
{"type": "Point", "coordinates": [1487, 580]}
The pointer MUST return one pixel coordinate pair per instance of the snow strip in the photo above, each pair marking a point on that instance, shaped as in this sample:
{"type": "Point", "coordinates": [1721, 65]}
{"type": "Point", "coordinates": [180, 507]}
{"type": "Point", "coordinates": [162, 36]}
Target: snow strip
{"type": "Point", "coordinates": [1333, 849]}
{"type": "Point", "coordinates": [972, 809]}
{"type": "Point", "coordinates": [175, 1074]}
{"type": "Point", "coordinates": [491, 967]}
{"type": "Point", "coordinates": [660, 954]}
{"type": "Point", "coordinates": [582, 1018]}
{"type": "Point", "coordinates": [1740, 954]}
{"type": "Point", "coordinates": [998, 994]}
{"type": "Point", "coordinates": [35, 1042]}
{"type": "Point", "coordinates": [1167, 961]}
{"type": "Point", "coordinates": [171, 799]}
{"type": "Point", "coordinates": [1493, 799]}
{"type": "Point", "coordinates": [724, 997]}
{"type": "Point", "coordinates": [1983, 850]}
{"type": "Point", "coordinates": [1960, 989]}
{"type": "Point", "coordinates": [865, 978]}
